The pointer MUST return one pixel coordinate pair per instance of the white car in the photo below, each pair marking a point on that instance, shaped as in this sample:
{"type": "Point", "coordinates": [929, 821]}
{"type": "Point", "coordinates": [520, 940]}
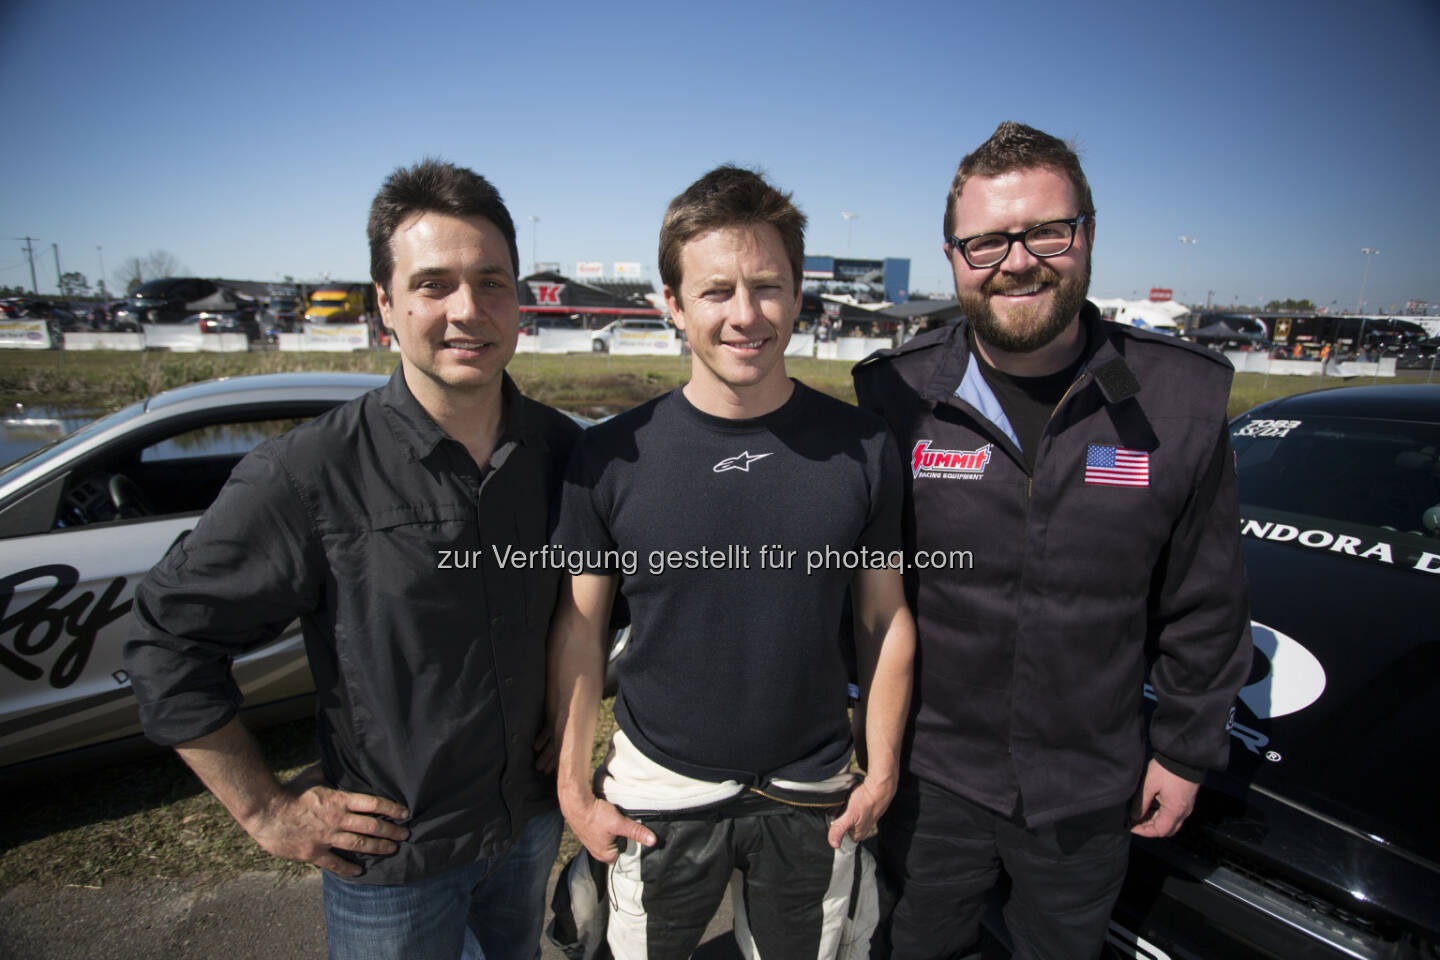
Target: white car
{"type": "Point", "coordinates": [82, 520]}
{"type": "Point", "coordinates": [633, 331]}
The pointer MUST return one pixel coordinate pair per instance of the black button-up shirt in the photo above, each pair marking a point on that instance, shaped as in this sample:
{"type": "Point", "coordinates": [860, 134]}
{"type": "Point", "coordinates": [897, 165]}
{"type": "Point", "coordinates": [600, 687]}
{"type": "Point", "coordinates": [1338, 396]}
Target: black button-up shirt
{"type": "Point", "coordinates": [425, 637]}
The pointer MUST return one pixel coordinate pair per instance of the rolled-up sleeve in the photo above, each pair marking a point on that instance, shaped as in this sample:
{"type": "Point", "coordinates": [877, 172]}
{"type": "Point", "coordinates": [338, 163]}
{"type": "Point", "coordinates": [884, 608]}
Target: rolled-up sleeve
{"type": "Point", "coordinates": [251, 566]}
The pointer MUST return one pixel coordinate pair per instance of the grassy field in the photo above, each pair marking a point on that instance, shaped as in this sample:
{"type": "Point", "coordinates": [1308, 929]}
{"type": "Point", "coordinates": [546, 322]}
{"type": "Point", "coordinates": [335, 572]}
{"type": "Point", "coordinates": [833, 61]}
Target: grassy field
{"type": "Point", "coordinates": [591, 384]}
{"type": "Point", "coordinates": [152, 819]}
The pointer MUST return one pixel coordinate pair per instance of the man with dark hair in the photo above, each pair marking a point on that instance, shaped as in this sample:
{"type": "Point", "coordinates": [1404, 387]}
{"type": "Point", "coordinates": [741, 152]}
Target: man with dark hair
{"type": "Point", "coordinates": [434, 828]}
{"type": "Point", "coordinates": [1088, 467]}
{"type": "Point", "coordinates": [734, 745]}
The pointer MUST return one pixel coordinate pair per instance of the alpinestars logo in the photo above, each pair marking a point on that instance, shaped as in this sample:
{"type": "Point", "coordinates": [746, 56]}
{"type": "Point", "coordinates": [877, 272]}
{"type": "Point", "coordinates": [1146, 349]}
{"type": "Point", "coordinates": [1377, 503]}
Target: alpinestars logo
{"type": "Point", "coordinates": [741, 461]}
{"type": "Point", "coordinates": [949, 464]}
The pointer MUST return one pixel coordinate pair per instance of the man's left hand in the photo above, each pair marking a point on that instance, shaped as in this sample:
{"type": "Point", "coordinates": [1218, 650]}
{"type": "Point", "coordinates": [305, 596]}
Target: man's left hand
{"type": "Point", "coordinates": [1164, 801]}
{"type": "Point", "coordinates": [862, 812]}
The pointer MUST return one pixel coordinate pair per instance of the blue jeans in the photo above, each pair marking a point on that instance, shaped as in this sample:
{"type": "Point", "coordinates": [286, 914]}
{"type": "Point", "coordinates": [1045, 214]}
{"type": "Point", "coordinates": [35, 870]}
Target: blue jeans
{"type": "Point", "coordinates": [489, 910]}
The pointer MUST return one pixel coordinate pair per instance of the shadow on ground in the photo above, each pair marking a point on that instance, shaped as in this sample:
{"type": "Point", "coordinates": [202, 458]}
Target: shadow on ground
{"type": "Point", "coordinates": [66, 798]}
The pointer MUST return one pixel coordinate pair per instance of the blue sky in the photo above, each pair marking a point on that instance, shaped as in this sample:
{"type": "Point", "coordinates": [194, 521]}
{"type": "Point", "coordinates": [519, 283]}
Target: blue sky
{"type": "Point", "coordinates": [247, 140]}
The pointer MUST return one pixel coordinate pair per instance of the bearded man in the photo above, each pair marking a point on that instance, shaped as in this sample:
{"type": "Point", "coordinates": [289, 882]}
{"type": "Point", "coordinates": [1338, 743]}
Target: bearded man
{"type": "Point", "coordinates": [1087, 468]}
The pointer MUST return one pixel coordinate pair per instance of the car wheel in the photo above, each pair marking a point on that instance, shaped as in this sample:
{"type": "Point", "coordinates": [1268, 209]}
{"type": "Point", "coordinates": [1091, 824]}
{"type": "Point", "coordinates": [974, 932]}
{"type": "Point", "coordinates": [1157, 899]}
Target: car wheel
{"type": "Point", "coordinates": [599, 346]}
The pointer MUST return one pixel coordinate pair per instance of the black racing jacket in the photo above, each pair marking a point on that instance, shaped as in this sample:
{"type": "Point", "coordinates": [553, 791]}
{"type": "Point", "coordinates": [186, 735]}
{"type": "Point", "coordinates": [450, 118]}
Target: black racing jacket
{"type": "Point", "coordinates": [382, 535]}
{"type": "Point", "coordinates": [1121, 551]}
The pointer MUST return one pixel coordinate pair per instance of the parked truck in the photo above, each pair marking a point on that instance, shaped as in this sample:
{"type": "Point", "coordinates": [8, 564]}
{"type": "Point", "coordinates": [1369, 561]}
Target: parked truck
{"type": "Point", "coordinates": [341, 303]}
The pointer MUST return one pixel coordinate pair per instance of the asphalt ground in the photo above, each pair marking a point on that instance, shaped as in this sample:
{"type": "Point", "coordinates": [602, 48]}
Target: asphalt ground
{"type": "Point", "coordinates": [256, 916]}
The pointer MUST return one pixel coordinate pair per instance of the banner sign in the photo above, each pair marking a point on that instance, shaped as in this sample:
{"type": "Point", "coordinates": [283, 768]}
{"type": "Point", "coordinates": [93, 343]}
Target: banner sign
{"type": "Point", "coordinates": [24, 335]}
{"type": "Point", "coordinates": [663, 342]}
{"type": "Point", "coordinates": [335, 336]}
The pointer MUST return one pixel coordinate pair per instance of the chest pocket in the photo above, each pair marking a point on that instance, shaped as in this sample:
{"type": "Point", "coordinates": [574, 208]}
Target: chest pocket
{"type": "Point", "coordinates": [1106, 528]}
{"type": "Point", "coordinates": [405, 546]}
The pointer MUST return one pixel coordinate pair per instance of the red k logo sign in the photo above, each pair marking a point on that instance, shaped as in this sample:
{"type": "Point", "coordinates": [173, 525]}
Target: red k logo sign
{"type": "Point", "coordinates": [547, 294]}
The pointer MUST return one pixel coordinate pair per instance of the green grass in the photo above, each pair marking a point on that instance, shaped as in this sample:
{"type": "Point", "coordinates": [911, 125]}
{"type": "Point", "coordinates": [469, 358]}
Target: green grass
{"type": "Point", "coordinates": [147, 819]}
{"type": "Point", "coordinates": [591, 384]}
{"type": "Point", "coordinates": [594, 384]}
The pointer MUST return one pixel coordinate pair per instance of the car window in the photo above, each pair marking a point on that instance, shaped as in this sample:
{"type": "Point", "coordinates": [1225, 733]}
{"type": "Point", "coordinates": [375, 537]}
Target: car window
{"type": "Point", "coordinates": [1332, 477]}
{"type": "Point", "coordinates": [38, 457]}
{"type": "Point", "coordinates": [182, 473]}
{"type": "Point", "coordinates": [218, 439]}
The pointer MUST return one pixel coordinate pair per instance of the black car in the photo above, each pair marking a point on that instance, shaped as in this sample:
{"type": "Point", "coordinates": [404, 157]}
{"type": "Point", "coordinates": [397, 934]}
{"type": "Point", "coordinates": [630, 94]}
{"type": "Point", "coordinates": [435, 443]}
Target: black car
{"type": "Point", "coordinates": [179, 299]}
{"type": "Point", "coordinates": [286, 314]}
{"type": "Point", "coordinates": [1320, 839]}
{"type": "Point", "coordinates": [230, 321]}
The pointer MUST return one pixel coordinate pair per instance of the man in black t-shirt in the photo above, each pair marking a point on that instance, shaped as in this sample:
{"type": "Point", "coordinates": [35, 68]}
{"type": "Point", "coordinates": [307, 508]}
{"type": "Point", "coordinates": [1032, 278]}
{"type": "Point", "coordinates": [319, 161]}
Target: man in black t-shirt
{"type": "Point", "coordinates": [734, 744]}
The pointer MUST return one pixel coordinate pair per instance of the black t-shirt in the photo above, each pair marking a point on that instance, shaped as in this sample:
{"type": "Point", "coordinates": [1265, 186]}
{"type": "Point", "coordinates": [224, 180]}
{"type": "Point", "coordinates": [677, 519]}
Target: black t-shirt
{"type": "Point", "coordinates": [1028, 401]}
{"type": "Point", "coordinates": [735, 541]}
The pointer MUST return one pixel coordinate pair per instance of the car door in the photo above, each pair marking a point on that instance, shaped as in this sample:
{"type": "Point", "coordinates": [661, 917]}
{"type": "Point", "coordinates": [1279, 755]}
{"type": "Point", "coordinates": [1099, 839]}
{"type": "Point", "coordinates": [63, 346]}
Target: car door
{"type": "Point", "coordinates": [65, 600]}
{"type": "Point", "coordinates": [66, 587]}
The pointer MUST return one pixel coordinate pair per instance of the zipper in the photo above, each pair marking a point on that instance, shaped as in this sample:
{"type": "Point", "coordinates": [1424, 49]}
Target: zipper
{"type": "Point", "coordinates": [1025, 560]}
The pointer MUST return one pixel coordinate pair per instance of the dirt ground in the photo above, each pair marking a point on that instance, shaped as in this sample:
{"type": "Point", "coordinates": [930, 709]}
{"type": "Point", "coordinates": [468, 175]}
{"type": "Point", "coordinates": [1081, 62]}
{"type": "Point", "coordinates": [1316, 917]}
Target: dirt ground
{"type": "Point", "coordinates": [257, 916]}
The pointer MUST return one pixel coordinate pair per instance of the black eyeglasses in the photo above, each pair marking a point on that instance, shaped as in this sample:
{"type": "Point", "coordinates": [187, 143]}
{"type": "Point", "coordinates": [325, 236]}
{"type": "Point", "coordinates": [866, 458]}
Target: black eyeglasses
{"type": "Point", "coordinates": [1048, 239]}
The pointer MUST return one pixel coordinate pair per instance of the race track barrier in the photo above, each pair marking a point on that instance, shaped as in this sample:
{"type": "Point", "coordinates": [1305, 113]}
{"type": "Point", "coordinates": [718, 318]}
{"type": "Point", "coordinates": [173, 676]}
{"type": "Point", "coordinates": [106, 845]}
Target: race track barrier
{"type": "Point", "coordinates": [87, 340]}
{"type": "Point", "coordinates": [852, 348]}
{"type": "Point", "coordinates": [187, 338]}
{"type": "Point", "coordinates": [549, 340]}
{"type": "Point", "coordinates": [327, 337]}
{"type": "Point", "coordinates": [801, 345]}
{"type": "Point", "coordinates": [24, 335]}
{"type": "Point", "coordinates": [644, 343]}
{"type": "Point", "coordinates": [1256, 361]}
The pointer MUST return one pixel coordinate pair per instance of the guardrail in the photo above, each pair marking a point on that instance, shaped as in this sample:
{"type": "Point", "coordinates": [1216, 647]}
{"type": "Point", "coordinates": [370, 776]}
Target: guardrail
{"type": "Point", "coordinates": [1257, 361]}
{"type": "Point", "coordinates": [327, 338]}
{"type": "Point", "coordinates": [34, 334]}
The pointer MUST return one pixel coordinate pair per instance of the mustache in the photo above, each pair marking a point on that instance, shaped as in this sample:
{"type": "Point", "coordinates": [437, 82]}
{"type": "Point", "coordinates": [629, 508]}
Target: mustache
{"type": "Point", "coordinates": [1004, 283]}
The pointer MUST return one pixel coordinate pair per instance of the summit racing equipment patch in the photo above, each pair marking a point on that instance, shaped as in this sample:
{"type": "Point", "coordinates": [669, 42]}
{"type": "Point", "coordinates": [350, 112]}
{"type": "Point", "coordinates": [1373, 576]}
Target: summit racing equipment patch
{"type": "Point", "coordinates": [949, 464]}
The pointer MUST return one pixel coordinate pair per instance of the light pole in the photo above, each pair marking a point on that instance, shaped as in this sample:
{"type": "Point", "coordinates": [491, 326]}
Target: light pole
{"type": "Point", "coordinates": [849, 229]}
{"type": "Point", "coordinates": [1367, 252]}
{"type": "Point", "coordinates": [30, 255]}
{"type": "Point", "coordinates": [534, 230]}
{"type": "Point", "coordinates": [1184, 241]}
{"type": "Point", "coordinates": [101, 251]}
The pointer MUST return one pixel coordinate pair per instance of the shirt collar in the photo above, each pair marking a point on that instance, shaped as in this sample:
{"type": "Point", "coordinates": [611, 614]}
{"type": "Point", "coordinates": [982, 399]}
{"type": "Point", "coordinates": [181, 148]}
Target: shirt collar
{"type": "Point", "coordinates": [419, 434]}
{"type": "Point", "coordinates": [1101, 359]}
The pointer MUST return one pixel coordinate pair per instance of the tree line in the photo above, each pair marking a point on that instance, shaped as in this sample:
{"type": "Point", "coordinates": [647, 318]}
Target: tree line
{"type": "Point", "coordinates": [132, 272]}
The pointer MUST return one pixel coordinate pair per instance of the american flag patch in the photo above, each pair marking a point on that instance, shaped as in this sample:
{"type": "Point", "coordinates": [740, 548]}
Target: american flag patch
{"type": "Point", "coordinates": [1117, 466]}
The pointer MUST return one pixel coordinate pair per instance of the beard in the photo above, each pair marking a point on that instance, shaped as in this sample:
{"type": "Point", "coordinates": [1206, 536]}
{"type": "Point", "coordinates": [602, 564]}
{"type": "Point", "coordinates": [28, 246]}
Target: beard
{"type": "Point", "coordinates": [1027, 329]}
